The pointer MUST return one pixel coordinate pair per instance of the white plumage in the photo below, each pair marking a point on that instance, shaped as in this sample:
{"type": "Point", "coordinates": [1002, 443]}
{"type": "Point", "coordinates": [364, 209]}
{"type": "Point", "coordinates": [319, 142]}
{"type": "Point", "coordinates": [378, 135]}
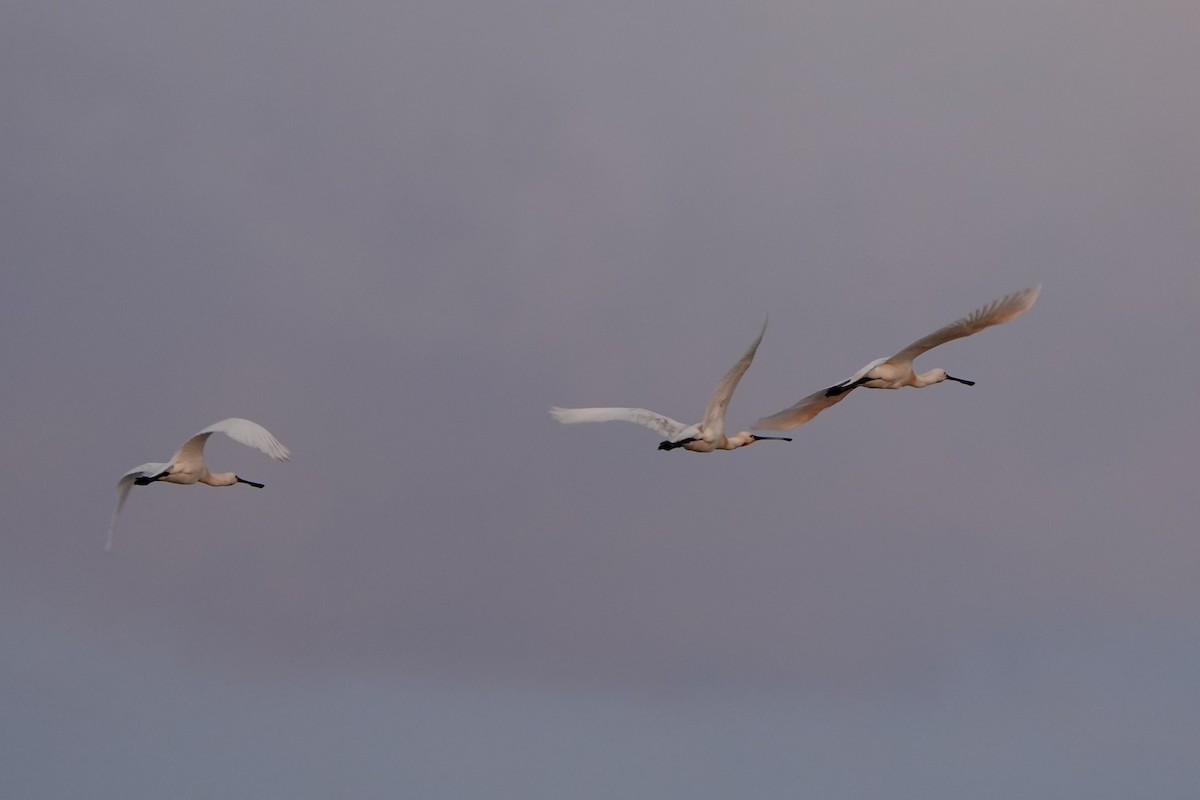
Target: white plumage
{"type": "Point", "coordinates": [703, 437]}
{"type": "Point", "coordinates": [187, 465]}
{"type": "Point", "coordinates": [897, 371]}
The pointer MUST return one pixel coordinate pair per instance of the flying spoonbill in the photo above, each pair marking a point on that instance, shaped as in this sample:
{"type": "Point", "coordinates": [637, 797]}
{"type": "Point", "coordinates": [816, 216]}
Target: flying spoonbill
{"type": "Point", "coordinates": [897, 371]}
{"type": "Point", "coordinates": [187, 465]}
{"type": "Point", "coordinates": [703, 437]}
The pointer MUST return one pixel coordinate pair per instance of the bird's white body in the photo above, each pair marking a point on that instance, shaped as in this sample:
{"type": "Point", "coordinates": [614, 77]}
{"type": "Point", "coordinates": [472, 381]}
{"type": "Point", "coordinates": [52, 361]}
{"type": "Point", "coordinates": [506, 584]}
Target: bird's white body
{"type": "Point", "coordinates": [703, 437]}
{"type": "Point", "coordinates": [187, 465]}
{"type": "Point", "coordinates": [897, 371]}
{"type": "Point", "coordinates": [884, 373]}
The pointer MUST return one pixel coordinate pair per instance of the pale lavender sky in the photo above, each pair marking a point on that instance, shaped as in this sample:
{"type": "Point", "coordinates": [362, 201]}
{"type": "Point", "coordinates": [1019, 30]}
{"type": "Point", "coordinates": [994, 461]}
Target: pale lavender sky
{"type": "Point", "coordinates": [396, 233]}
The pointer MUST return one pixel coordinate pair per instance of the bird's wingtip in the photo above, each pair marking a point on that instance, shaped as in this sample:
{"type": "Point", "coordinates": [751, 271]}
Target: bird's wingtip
{"type": "Point", "coordinates": [1027, 297]}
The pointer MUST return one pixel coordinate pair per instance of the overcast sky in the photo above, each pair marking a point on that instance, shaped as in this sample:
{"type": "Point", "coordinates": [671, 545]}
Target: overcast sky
{"type": "Point", "coordinates": [396, 233]}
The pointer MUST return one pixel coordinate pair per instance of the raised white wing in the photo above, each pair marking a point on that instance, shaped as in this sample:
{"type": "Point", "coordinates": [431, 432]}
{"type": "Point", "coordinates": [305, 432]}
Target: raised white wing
{"type": "Point", "coordinates": [994, 313]}
{"type": "Point", "coordinates": [123, 487]}
{"type": "Point", "coordinates": [666, 427]}
{"type": "Point", "coordinates": [240, 430]}
{"type": "Point", "coordinates": [714, 415]}
{"type": "Point", "coordinates": [801, 412]}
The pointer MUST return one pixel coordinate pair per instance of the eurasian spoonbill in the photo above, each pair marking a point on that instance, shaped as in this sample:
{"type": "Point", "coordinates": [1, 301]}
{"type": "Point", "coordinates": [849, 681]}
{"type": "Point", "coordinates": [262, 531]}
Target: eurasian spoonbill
{"type": "Point", "coordinates": [187, 465]}
{"type": "Point", "coordinates": [704, 437]}
{"type": "Point", "coordinates": [897, 371]}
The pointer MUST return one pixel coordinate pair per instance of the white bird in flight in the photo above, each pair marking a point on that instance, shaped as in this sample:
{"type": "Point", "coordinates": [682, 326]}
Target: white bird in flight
{"type": "Point", "coordinates": [897, 371]}
{"type": "Point", "coordinates": [187, 465]}
{"type": "Point", "coordinates": [703, 437]}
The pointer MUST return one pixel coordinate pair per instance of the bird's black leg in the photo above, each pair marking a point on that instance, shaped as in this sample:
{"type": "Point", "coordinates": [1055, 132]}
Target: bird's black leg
{"type": "Point", "coordinates": [673, 445]}
{"type": "Point", "coordinates": [144, 480]}
{"type": "Point", "coordinates": [842, 388]}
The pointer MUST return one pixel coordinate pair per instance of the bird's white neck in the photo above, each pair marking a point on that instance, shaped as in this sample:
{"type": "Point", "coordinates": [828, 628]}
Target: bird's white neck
{"type": "Point", "coordinates": [928, 378]}
{"type": "Point", "coordinates": [737, 440]}
{"type": "Point", "coordinates": [218, 478]}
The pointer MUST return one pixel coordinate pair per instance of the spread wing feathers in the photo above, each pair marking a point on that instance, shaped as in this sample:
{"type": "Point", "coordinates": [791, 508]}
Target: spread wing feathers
{"type": "Point", "coordinates": [714, 415]}
{"type": "Point", "coordinates": [240, 430]}
{"type": "Point", "coordinates": [665, 426]}
{"type": "Point", "coordinates": [994, 313]}
{"type": "Point", "coordinates": [123, 487]}
{"type": "Point", "coordinates": [801, 412]}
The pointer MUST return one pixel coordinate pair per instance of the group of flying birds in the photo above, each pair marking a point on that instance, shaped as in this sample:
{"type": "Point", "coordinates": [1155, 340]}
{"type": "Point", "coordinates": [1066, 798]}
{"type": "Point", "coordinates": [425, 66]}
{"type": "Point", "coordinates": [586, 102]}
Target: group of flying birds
{"type": "Point", "coordinates": [187, 465]}
{"type": "Point", "coordinates": [882, 373]}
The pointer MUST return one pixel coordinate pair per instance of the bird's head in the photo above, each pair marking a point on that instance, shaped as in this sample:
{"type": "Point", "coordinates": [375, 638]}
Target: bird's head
{"type": "Point", "coordinates": [943, 376]}
{"type": "Point", "coordinates": [937, 376]}
{"type": "Point", "coordinates": [747, 438]}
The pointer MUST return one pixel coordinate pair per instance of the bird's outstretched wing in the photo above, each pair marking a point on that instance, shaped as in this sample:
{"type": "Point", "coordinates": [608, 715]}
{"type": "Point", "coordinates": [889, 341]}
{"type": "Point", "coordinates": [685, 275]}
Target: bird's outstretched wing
{"type": "Point", "coordinates": [665, 426]}
{"type": "Point", "coordinates": [714, 415]}
{"type": "Point", "coordinates": [240, 430]}
{"type": "Point", "coordinates": [994, 313]}
{"type": "Point", "coordinates": [800, 413]}
{"type": "Point", "coordinates": [123, 487]}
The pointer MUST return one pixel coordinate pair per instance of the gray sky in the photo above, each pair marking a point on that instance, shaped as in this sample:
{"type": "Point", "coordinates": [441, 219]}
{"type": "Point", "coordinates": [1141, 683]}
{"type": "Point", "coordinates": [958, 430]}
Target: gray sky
{"type": "Point", "coordinates": [395, 234]}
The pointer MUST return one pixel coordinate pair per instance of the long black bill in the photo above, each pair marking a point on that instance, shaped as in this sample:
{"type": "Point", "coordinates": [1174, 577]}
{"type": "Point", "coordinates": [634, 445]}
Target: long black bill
{"type": "Point", "coordinates": [251, 483]}
{"type": "Point", "coordinates": [772, 438]}
{"type": "Point", "coordinates": [960, 380]}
